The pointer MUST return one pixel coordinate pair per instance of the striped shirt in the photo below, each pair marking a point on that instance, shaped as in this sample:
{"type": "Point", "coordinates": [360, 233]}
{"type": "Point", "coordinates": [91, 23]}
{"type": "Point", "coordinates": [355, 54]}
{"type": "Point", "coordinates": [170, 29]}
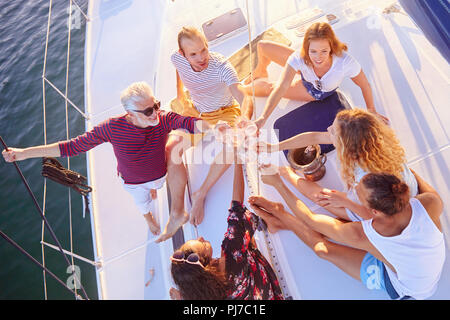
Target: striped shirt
{"type": "Point", "coordinates": [140, 152]}
{"type": "Point", "coordinates": [208, 88]}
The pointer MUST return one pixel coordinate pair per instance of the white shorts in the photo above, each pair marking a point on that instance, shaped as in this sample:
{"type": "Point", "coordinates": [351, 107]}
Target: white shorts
{"type": "Point", "coordinates": [141, 193]}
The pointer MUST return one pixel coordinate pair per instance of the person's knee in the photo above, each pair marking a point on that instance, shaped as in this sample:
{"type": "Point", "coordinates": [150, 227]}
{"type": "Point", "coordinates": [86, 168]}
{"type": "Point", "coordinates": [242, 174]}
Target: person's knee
{"type": "Point", "coordinates": [263, 87]}
{"type": "Point", "coordinates": [322, 250]}
{"type": "Point", "coordinates": [174, 150]}
{"type": "Point", "coordinates": [263, 45]}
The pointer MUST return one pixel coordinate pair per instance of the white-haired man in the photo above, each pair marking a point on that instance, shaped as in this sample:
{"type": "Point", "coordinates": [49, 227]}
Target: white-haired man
{"type": "Point", "coordinates": [139, 139]}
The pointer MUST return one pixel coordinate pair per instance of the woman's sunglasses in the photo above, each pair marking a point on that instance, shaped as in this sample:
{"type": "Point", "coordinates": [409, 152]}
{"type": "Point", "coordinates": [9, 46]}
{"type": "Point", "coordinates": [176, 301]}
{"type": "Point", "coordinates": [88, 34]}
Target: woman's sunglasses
{"type": "Point", "coordinates": [319, 85]}
{"type": "Point", "coordinates": [193, 258]}
{"type": "Point", "coordinates": [149, 111]}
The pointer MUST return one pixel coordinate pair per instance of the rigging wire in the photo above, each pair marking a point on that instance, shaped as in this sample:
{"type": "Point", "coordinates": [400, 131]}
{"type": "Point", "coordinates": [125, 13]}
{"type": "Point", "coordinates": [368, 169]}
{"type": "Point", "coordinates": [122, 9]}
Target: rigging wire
{"type": "Point", "coordinates": [52, 233]}
{"type": "Point", "coordinates": [65, 98]}
{"type": "Point", "coordinates": [68, 137]}
{"type": "Point", "coordinates": [44, 81]}
{"type": "Point", "coordinates": [253, 83]}
{"type": "Point", "coordinates": [251, 182]}
{"type": "Point", "coordinates": [14, 244]}
{"type": "Point", "coordinates": [45, 142]}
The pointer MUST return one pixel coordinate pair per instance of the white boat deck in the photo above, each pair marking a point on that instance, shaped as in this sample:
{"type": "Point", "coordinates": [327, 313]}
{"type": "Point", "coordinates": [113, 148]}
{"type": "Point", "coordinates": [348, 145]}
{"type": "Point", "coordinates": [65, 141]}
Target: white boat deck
{"type": "Point", "coordinates": [130, 41]}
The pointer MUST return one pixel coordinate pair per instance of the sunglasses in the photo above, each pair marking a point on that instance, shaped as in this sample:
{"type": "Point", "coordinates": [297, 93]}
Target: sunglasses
{"type": "Point", "coordinates": [149, 111]}
{"type": "Point", "coordinates": [319, 85]}
{"type": "Point", "coordinates": [193, 258]}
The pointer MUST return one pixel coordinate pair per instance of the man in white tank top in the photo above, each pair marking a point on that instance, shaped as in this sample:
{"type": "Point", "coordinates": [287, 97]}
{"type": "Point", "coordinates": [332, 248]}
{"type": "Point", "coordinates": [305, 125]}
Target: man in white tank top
{"type": "Point", "coordinates": [399, 250]}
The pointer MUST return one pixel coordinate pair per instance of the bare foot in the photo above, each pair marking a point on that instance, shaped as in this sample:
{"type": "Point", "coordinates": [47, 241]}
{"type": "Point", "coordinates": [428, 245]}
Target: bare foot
{"type": "Point", "coordinates": [267, 205]}
{"type": "Point", "coordinates": [271, 223]}
{"type": "Point", "coordinates": [270, 211]}
{"type": "Point", "coordinates": [197, 211]}
{"type": "Point", "coordinates": [174, 223]}
{"type": "Point", "coordinates": [152, 224]}
{"type": "Point", "coordinates": [262, 86]}
{"type": "Point", "coordinates": [257, 74]}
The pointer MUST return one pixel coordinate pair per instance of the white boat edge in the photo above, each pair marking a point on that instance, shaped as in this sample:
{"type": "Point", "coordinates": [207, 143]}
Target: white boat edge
{"type": "Point", "coordinates": [160, 88]}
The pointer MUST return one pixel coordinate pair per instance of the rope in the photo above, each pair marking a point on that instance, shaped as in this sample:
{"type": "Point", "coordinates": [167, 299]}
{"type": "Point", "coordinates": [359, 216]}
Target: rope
{"type": "Point", "coordinates": [67, 132]}
{"type": "Point", "coordinates": [253, 83]}
{"type": "Point", "coordinates": [45, 142]}
{"type": "Point", "coordinates": [65, 97]}
{"type": "Point", "coordinates": [255, 190]}
{"type": "Point", "coordinates": [15, 245]}
{"type": "Point", "coordinates": [250, 51]}
{"type": "Point", "coordinates": [82, 12]}
{"type": "Point", "coordinates": [53, 170]}
{"type": "Point", "coordinates": [52, 233]}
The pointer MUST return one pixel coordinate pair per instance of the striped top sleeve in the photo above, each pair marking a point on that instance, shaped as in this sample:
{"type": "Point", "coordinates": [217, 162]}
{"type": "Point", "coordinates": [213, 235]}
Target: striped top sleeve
{"type": "Point", "coordinates": [175, 121]}
{"type": "Point", "coordinates": [228, 74]}
{"type": "Point", "coordinates": [85, 142]}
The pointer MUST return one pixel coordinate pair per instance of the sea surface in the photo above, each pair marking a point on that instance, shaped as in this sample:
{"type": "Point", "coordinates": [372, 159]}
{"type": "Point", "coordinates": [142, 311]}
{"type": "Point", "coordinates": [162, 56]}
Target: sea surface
{"type": "Point", "coordinates": [23, 29]}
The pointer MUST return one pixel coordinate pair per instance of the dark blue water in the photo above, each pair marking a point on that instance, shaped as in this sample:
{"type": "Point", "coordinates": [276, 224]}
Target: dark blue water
{"type": "Point", "coordinates": [23, 27]}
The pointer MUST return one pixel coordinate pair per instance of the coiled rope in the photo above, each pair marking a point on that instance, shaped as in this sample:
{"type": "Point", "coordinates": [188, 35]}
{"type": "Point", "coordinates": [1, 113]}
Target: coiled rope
{"type": "Point", "coordinates": [53, 170]}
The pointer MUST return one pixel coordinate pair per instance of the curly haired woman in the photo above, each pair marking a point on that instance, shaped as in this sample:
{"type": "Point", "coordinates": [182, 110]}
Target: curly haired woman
{"type": "Point", "coordinates": [241, 272]}
{"type": "Point", "coordinates": [364, 144]}
{"type": "Point", "coordinates": [322, 62]}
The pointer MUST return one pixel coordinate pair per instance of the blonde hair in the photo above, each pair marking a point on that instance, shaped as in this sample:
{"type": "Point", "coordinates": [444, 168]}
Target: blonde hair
{"type": "Point", "coordinates": [134, 93]}
{"type": "Point", "coordinates": [364, 140]}
{"type": "Point", "coordinates": [321, 30]}
{"type": "Point", "coordinates": [190, 33]}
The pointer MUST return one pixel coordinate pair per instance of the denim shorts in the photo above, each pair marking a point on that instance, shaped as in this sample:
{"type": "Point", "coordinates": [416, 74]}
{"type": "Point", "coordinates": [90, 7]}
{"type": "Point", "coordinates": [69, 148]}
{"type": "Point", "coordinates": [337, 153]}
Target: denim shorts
{"type": "Point", "coordinates": [315, 93]}
{"type": "Point", "coordinates": [375, 277]}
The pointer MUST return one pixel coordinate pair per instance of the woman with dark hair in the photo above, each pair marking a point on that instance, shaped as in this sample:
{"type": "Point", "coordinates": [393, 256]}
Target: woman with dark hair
{"type": "Point", "coordinates": [400, 249]}
{"type": "Point", "coordinates": [241, 272]}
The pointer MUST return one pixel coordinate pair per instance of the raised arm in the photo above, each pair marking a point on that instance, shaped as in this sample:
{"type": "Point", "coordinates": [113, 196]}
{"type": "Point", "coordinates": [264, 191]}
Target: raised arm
{"type": "Point", "coordinates": [237, 92]}
{"type": "Point", "coordinates": [277, 93]}
{"type": "Point", "coordinates": [238, 183]}
{"type": "Point", "coordinates": [69, 148]}
{"type": "Point", "coordinates": [201, 126]}
{"type": "Point", "coordinates": [361, 81]}
{"type": "Point", "coordinates": [299, 141]}
{"type": "Point", "coordinates": [18, 154]}
{"type": "Point", "coordinates": [180, 88]}
{"type": "Point", "coordinates": [305, 139]}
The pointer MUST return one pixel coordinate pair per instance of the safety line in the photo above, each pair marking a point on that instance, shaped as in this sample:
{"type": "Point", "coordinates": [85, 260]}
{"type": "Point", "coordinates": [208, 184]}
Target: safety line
{"type": "Point", "coordinates": [14, 244]}
{"type": "Point", "coordinates": [45, 142]}
{"type": "Point", "coordinates": [67, 135]}
{"type": "Point", "coordinates": [52, 233]}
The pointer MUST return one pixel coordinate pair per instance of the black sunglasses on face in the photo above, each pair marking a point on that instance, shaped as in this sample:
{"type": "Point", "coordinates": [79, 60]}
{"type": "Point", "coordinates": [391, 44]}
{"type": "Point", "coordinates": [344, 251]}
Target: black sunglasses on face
{"type": "Point", "coordinates": [149, 111]}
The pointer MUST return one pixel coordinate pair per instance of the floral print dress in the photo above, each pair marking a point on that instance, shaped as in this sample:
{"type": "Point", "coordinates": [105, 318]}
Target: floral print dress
{"type": "Point", "coordinates": [246, 267]}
